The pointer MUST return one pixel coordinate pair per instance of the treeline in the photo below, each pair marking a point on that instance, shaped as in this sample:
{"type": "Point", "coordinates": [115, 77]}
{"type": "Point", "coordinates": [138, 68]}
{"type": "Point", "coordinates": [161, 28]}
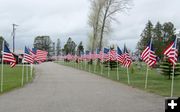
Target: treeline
{"type": "Point", "coordinates": [162, 35]}
{"type": "Point", "coordinates": [54, 48]}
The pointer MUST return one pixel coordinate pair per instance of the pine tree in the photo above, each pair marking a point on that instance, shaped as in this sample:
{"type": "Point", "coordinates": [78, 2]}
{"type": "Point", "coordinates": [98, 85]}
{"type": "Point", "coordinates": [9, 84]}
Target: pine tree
{"type": "Point", "coordinates": [58, 47]}
{"type": "Point", "coordinates": [146, 35]}
{"type": "Point", "coordinates": [158, 40]}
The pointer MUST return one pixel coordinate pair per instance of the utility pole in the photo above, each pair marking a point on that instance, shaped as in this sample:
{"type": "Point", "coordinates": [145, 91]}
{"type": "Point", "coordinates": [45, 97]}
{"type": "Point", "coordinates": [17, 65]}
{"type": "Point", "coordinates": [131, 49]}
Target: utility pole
{"type": "Point", "coordinates": [13, 35]}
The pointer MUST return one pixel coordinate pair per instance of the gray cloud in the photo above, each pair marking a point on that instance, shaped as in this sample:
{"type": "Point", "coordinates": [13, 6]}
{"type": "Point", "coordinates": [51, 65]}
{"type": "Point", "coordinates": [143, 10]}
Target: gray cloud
{"type": "Point", "coordinates": [68, 18]}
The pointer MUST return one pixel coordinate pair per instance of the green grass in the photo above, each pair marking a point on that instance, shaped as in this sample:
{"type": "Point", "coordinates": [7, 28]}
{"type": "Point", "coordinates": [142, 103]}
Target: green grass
{"type": "Point", "coordinates": [13, 77]}
{"type": "Point", "coordinates": [157, 83]}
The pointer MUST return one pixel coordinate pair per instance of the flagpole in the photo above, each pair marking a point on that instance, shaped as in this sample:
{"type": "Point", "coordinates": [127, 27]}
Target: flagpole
{"type": "Point", "coordinates": [31, 71]}
{"type": "Point", "coordinates": [128, 75]}
{"type": "Point", "coordinates": [172, 84]}
{"type": "Point", "coordinates": [147, 72]}
{"type": "Point", "coordinates": [102, 62]}
{"type": "Point", "coordinates": [146, 77]}
{"type": "Point", "coordinates": [117, 70]}
{"type": "Point", "coordinates": [27, 77]}
{"type": "Point", "coordinates": [22, 74]}
{"type": "Point", "coordinates": [2, 67]}
{"type": "Point", "coordinates": [109, 63]}
{"type": "Point", "coordinates": [85, 62]}
{"type": "Point", "coordinates": [89, 63]}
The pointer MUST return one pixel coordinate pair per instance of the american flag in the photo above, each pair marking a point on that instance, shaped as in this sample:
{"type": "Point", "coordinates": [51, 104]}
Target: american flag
{"type": "Point", "coordinates": [112, 55]}
{"type": "Point", "coordinates": [148, 55]}
{"type": "Point", "coordinates": [106, 54]}
{"type": "Point", "coordinates": [41, 55]}
{"type": "Point", "coordinates": [8, 56]}
{"type": "Point", "coordinates": [33, 53]}
{"type": "Point", "coordinates": [27, 56]}
{"type": "Point", "coordinates": [69, 57]}
{"type": "Point", "coordinates": [171, 52]}
{"type": "Point", "coordinates": [126, 58]}
{"type": "Point", "coordinates": [120, 55]}
{"type": "Point", "coordinates": [101, 55]}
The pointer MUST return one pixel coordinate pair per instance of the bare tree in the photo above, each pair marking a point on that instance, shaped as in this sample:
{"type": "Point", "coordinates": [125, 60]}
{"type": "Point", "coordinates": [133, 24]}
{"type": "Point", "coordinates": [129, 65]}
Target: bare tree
{"type": "Point", "coordinates": [109, 10]}
{"type": "Point", "coordinates": [94, 19]}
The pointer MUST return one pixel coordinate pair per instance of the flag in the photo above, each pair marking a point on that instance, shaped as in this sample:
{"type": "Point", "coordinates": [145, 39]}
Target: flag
{"type": "Point", "coordinates": [27, 56]}
{"type": "Point", "coordinates": [171, 52]}
{"type": "Point", "coordinates": [106, 54]}
{"type": "Point", "coordinates": [126, 59]}
{"type": "Point", "coordinates": [112, 55]}
{"type": "Point", "coordinates": [120, 55]}
{"type": "Point", "coordinates": [8, 56]}
{"type": "Point", "coordinates": [148, 55]}
{"type": "Point", "coordinates": [41, 55]}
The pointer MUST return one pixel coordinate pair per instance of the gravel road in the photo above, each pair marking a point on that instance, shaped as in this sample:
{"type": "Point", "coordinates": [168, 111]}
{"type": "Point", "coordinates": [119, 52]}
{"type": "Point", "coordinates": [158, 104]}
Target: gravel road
{"type": "Point", "coordinates": [57, 88]}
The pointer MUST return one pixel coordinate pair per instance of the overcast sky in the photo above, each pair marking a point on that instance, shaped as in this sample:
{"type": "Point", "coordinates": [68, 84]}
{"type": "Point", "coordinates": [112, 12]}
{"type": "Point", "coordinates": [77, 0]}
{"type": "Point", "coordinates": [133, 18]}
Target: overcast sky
{"type": "Point", "coordinates": [68, 18]}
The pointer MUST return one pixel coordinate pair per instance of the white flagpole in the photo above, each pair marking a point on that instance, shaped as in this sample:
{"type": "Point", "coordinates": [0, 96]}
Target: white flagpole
{"type": "Point", "coordinates": [2, 67]}
{"type": "Point", "coordinates": [146, 77]}
{"type": "Point", "coordinates": [147, 72]}
{"type": "Point", "coordinates": [22, 74]}
{"type": "Point", "coordinates": [85, 62]}
{"type": "Point", "coordinates": [109, 63]}
{"type": "Point", "coordinates": [117, 64]}
{"type": "Point", "coordinates": [31, 71]}
{"type": "Point", "coordinates": [172, 84]}
{"type": "Point", "coordinates": [27, 77]}
{"type": "Point", "coordinates": [89, 63]}
{"type": "Point", "coordinates": [102, 62]}
{"type": "Point", "coordinates": [117, 70]}
{"type": "Point", "coordinates": [128, 75]}
{"type": "Point", "coordinates": [95, 62]}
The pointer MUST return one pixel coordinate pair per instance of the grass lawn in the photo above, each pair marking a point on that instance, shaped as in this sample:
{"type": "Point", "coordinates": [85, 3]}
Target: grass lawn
{"type": "Point", "coordinates": [157, 83]}
{"type": "Point", "coordinates": [13, 77]}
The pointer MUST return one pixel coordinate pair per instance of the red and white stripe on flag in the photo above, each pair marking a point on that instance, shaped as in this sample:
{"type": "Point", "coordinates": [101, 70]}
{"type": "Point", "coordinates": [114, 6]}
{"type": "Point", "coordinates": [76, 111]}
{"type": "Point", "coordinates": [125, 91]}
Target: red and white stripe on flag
{"type": "Point", "coordinates": [9, 57]}
{"type": "Point", "coordinates": [127, 60]}
{"type": "Point", "coordinates": [112, 55]}
{"type": "Point", "coordinates": [171, 52]}
{"type": "Point", "coordinates": [28, 58]}
{"type": "Point", "coordinates": [148, 56]}
{"type": "Point", "coordinates": [41, 55]}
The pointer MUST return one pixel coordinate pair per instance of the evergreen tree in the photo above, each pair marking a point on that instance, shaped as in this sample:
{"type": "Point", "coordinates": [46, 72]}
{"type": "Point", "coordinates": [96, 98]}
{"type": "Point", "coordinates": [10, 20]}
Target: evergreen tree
{"type": "Point", "coordinates": [158, 40]}
{"type": "Point", "coordinates": [146, 35]}
{"type": "Point", "coordinates": [69, 47]}
{"type": "Point", "coordinates": [80, 49]}
{"type": "Point", "coordinates": [58, 47]}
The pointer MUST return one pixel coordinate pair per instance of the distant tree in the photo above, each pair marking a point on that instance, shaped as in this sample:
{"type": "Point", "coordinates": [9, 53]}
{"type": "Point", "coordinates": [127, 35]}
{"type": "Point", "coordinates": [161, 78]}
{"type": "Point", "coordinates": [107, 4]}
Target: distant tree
{"type": "Point", "coordinates": [58, 47]}
{"type": "Point", "coordinates": [158, 40]}
{"type": "Point", "coordinates": [146, 35]}
{"type": "Point", "coordinates": [43, 43]}
{"type": "Point", "coordinates": [80, 49]}
{"type": "Point", "coordinates": [69, 47]}
{"type": "Point", "coordinates": [168, 31]}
